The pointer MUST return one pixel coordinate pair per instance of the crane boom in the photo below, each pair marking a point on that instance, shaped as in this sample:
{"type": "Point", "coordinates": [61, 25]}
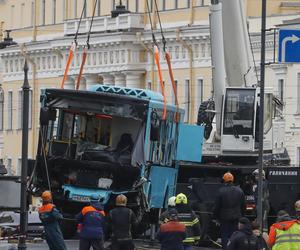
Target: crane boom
{"type": "Point", "coordinates": [218, 61]}
{"type": "Point", "coordinates": [240, 71]}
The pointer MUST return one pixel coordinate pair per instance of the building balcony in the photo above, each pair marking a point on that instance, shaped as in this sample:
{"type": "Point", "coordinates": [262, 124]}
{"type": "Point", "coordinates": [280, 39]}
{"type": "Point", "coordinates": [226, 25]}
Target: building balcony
{"type": "Point", "coordinates": [106, 24]}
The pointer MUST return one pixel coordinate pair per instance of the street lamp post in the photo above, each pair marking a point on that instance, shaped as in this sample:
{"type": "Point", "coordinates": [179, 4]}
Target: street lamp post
{"type": "Point", "coordinates": [261, 115]}
{"type": "Point", "coordinates": [23, 213]}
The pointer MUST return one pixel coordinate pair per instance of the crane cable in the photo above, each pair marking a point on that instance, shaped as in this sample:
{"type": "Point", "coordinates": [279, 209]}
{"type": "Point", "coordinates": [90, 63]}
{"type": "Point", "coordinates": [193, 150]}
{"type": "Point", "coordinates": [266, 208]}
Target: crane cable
{"type": "Point", "coordinates": [72, 49]}
{"type": "Point", "coordinates": [157, 61]}
{"type": "Point", "coordinates": [168, 59]}
{"type": "Point", "coordinates": [86, 48]}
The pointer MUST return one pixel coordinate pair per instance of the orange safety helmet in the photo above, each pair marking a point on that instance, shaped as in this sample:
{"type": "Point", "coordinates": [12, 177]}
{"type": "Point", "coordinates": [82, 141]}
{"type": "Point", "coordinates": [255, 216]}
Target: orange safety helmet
{"type": "Point", "coordinates": [228, 177]}
{"type": "Point", "coordinates": [121, 200]}
{"type": "Point", "coordinates": [47, 196]}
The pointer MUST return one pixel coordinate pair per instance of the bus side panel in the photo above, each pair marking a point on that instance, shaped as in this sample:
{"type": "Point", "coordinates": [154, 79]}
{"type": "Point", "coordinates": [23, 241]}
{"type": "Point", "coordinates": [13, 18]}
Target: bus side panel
{"type": "Point", "coordinates": [162, 185]}
{"type": "Point", "coordinates": [189, 147]}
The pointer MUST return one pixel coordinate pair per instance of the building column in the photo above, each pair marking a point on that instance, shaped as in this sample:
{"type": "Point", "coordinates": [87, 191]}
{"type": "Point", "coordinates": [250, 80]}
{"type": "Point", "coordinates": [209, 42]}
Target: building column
{"type": "Point", "coordinates": [120, 80]}
{"type": "Point", "coordinates": [134, 78]}
{"type": "Point", "coordinates": [91, 80]}
{"type": "Point", "coordinates": [69, 83]}
{"type": "Point", "coordinates": [108, 79]}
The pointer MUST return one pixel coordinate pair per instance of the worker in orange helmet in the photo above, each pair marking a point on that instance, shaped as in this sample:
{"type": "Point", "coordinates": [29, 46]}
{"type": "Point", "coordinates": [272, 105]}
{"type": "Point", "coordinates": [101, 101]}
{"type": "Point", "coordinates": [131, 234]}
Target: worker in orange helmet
{"type": "Point", "coordinates": [229, 207]}
{"type": "Point", "coordinates": [50, 216]}
{"type": "Point", "coordinates": [92, 223]}
{"type": "Point", "coordinates": [121, 222]}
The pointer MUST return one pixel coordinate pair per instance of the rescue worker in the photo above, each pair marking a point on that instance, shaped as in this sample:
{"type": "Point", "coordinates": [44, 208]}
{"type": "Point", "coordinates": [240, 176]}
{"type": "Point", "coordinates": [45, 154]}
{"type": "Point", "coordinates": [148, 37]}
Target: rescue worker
{"type": "Point", "coordinates": [164, 217]}
{"type": "Point", "coordinates": [297, 209]}
{"type": "Point", "coordinates": [265, 196]}
{"type": "Point", "coordinates": [92, 222]}
{"type": "Point", "coordinates": [121, 221]}
{"type": "Point", "coordinates": [263, 238]}
{"type": "Point", "coordinates": [285, 233]}
{"type": "Point", "coordinates": [244, 237]}
{"type": "Point", "coordinates": [229, 207]}
{"type": "Point", "coordinates": [172, 233]}
{"type": "Point", "coordinates": [188, 217]}
{"type": "Point", "coordinates": [50, 217]}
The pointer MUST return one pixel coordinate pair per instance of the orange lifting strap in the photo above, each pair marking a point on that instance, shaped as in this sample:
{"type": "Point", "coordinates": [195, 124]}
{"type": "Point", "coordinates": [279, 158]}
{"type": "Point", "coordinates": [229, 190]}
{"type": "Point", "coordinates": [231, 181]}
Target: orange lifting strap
{"type": "Point", "coordinates": [69, 60]}
{"type": "Point", "coordinates": [157, 60]}
{"type": "Point", "coordinates": [168, 59]}
{"type": "Point", "coordinates": [84, 55]}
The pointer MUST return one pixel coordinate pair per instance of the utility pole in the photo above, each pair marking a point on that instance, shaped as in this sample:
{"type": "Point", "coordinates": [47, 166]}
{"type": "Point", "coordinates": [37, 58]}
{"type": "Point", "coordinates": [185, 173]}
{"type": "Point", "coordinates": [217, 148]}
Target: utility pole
{"type": "Point", "coordinates": [260, 213]}
{"type": "Point", "coordinates": [23, 213]}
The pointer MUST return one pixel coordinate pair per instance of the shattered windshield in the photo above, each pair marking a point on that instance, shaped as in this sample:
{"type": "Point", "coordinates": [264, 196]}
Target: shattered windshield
{"type": "Point", "coordinates": [239, 111]}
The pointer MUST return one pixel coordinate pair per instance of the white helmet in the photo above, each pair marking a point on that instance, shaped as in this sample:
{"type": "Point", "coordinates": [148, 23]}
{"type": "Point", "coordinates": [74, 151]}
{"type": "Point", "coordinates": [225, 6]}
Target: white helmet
{"type": "Point", "coordinates": [256, 172]}
{"type": "Point", "coordinates": [171, 201]}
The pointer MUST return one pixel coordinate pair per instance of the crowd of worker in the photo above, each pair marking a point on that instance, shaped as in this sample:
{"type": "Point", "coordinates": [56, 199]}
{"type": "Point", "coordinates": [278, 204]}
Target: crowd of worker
{"type": "Point", "coordinates": [179, 225]}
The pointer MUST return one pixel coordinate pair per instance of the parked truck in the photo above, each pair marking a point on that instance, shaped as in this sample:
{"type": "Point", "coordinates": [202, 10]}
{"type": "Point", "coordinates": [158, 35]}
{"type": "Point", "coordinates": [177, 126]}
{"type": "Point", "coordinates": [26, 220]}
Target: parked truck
{"type": "Point", "coordinates": [231, 120]}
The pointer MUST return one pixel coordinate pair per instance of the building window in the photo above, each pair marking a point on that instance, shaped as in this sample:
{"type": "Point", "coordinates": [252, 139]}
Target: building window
{"type": "Point", "coordinates": [20, 108]}
{"type": "Point", "coordinates": [175, 4]}
{"type": "Point", "coordinates": [9, 110]}
{"type": "Point", "coordinates": [150, 3]}
{"type": "Point", "coordinates": [203, 47]}
{"type": "Point", "coordinates": [22, 15]}
{"type": "Point", "coordinates": [85, 10]}
{"type": "Point", "coordinates": [99, 8]}
{"type": "Point", "coordinates": [43, 14]}
{"type": "Point", "coordinates": [199, 3]}
{"type": "Point", "coordinates": [53, 11]}
{"type": "Point", "coordinates": [19, 166]}
{"type": "Point", "coordinates": [297, 156]}
{"type": "Point", "coordinates": [280, 89]}
{"type": "Point", "coordinates": [149, 85]}
{"type": "Point", "coordinates": [186, 100]}
{"type": "Point", "coordinates": [1, 108]}
{"type": "Point", "coordinates": [137, 6]}
{"type": "Point", "coordinates": [163, 4]}
{"type": "Point", "coordinates": [113, 4]}
{"type": "Point", "coordinates": [199, 92]}
{"type": "Point", "coordinates": [32, 14]}
{"type": "Point", "coordinates": [9, 166]}
{"type": "Point", "coordinates": [172, 92]}
{"type": "Point", "coordinates": [188, 3]}
{"type": "Point", "coordinates": [75, 8]}
{"type": "Point", "coordinates": [12, 16]}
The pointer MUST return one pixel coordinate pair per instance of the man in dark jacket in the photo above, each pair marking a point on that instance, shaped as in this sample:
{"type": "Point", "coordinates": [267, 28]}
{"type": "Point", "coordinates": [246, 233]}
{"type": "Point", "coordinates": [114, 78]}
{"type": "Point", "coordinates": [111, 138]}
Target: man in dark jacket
{"type": "Point", "coordinates": [243, 239]}
{"type": "Point", "coordinates": [172, 233]}
{"type": "Point", "coordinates": [188, 217]}
{"type": "Point", "coordinates": [265, 196]}
{"type": "Point", "coordinates": [229, 207]}
{"type": "Point", "coordinates": [92, 219]}
{"type": "Point", "coordinates": [50, 216]}
{"type": "Point", "coordinates": [121, 220]}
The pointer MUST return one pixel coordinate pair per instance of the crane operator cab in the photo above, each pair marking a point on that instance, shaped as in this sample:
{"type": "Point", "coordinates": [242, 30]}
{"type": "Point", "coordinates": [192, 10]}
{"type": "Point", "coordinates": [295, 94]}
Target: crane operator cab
{"type": "Point", "coordinates": [238, 128]}
{"type": "Point", "coordinates": [240, 123]}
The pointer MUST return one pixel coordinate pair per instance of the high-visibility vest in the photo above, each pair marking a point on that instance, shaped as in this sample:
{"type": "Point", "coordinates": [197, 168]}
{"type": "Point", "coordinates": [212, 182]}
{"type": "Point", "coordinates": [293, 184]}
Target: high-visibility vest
{"type": "Point", "coordinates": [288, 239]}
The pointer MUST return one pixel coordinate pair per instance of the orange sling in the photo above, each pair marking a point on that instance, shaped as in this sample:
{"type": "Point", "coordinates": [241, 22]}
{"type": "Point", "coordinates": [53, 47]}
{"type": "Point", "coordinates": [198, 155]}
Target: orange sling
{"type": "Point", "coordinates": [168, 59]}
{"type": "Point", "coordinates": [157, 60]}
{"type": "Point", "coordinates": [69, 60]}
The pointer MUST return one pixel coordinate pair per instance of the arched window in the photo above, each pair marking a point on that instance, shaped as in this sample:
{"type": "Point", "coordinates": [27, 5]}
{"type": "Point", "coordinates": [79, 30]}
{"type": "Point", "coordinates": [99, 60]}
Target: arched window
{"type": "Point", "coordinates": [1, 107]}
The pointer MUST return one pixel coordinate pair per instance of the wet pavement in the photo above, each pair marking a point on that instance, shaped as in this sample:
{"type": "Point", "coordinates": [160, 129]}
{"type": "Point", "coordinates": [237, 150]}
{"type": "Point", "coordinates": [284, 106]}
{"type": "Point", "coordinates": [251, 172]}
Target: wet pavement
{"type": "Point", "coordinates": [74, 244]}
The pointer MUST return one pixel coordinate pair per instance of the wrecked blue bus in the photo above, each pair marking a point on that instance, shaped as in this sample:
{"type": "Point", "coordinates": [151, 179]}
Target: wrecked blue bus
{"type": "Point", "coordinates": [111, 140]}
